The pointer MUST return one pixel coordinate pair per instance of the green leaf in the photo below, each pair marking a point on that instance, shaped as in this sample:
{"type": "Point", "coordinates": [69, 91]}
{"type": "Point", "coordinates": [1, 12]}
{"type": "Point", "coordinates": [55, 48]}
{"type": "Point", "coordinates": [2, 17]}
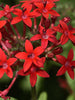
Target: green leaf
{"type": "Point", "coordinates": [11, 98]}
{"type": "Point", "coordinates": [71, 97]}
{"type": "Point", "coordinates": [70, 82]}
{"type": "Point", "coordinates": [43, 96]}
{"type": "Point", "coordinates": [1, 99]}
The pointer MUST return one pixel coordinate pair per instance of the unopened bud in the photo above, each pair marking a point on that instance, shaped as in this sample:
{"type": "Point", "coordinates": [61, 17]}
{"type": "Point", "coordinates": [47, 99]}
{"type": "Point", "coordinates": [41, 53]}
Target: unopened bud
{"type": "Point", "coordinates": [47, 23]}
{"type": "Point", "coordinates": [66, 19]}
{"type": "Point", "coordinates": [53, 18]}
{"type": "Point", "coordinates": [57, 50]}
{"type": "Point", "coordinates": [50, 55]}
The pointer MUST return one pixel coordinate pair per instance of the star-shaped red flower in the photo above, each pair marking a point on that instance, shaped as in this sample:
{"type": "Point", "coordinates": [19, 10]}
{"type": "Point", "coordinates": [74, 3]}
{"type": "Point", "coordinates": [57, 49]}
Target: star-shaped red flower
{"type": "Point", "coordinates": [46, 9]}
{"type": "Point", "coordinates": [7, 10]}
{"type": "Point", "coordinates": [66, 32]}
{"type": "Point", "coordinates": [5, 64]}
{"type": "Point", "coordinates": [31, 55]}
{"type": "Point", "coordinates": [33, 72]}
{"type": "Point", "coordinates": [24, 16]}
{"type": "Point", "coordinates": [68, 64]}
{"type": "Point", "coordinates": [45, 36]}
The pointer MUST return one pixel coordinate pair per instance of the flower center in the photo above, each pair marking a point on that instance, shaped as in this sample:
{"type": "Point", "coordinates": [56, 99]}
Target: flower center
{"type": "Point", "coordinates": [66, 33]}
{"type": "Point", "coordinates": [66, 64]}
{"type": "Point", "coordinates": [44, 10]}
{"type": "Point", "coordinates": [45, 36]}
{"type": "Point", "coordinates": [31, 55]}
{"type": "Point", "coordinates": [5, 65]}
{"type": "Point", "coordinates": [34, 69]}
{"type": "Point", "coordinates": [6, 12]}
{"type": "Point", "coordinates": [24, 16]}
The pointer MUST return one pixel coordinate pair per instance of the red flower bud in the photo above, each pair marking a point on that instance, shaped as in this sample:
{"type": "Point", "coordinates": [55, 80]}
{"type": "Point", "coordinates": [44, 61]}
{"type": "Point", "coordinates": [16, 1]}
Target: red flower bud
{"type": "Point", "coordinates": [57, 50]}
{"type": "Point", "coordinates": [47, 23]}
{"type": "Point", "coordinates": [53, 18]}
{"type": "Point", "coordinates": [66, 19]}
{"type": "Point", "coordinates": [50, 55]}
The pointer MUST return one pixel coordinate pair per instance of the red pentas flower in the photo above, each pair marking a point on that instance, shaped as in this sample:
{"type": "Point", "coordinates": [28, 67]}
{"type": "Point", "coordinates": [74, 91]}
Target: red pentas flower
{"type": "Point", "coordinates": [7, 10]}
{"type": "Point", "coordinates": [28, 3]}
{"type": "Point", "coordinates": [31, 55]}
{"type": "Point", "coordinates": [33, 72]}
{"type": "Point", "coordinates": [46, 9]}
{"type": "Point", "coordinates": [68, 64]}
{"type": "Point", "coordinates": [45, 36]}
{"type": "Point", "coordinates": [5, 64]}
{"type": "Point", "coordinates": [24, 15]}
{"type": "Point", "coordinates": [66, 32]}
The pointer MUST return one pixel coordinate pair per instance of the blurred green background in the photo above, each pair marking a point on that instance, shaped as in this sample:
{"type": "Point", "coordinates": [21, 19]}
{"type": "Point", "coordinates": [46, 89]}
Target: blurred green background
{"type": "Point", "coordinates": [47, 89]}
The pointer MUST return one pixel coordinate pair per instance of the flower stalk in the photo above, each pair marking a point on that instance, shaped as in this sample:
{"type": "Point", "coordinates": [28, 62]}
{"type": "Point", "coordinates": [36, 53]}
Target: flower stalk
{"type": "Point", "coordinates": [33, 91]}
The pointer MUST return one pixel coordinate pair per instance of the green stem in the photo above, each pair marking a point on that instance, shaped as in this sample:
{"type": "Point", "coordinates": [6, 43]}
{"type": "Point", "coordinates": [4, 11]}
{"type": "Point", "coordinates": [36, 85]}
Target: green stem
{"type": "Point", "coordinates": [33, 90]}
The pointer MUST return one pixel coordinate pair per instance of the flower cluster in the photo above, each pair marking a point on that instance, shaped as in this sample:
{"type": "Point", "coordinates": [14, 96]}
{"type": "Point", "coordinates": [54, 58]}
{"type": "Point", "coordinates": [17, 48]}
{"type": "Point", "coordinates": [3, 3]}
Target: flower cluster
{"type": "Point", "coordinates": [21, 50]}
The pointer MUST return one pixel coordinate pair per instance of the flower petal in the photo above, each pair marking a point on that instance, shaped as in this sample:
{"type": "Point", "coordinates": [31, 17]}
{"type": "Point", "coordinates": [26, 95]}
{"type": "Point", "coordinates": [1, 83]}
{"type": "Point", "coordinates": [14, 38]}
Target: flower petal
{"type": "Point", "coordinates": [64, 25]}
{"type": "Point", "coordinates": [58, 29]}
{"type": "Point", "coordinates": [72, 36]}
{"type": "Point", "coordinates": [46, 15]}
{"type": "Point", "coordinates": [2, 23]}
{"type": "Point", "coordinates": [2, 55]}
{"type": "Point", "coordinates": [6, 7]}
{"type": "Point", "coordinates": [16, 20]}
{"type": "Point", "coordinates": [39, 50]}
{"type": "Point", "coordinates": [1, 72]}
{"type": "Point", "coordinates": [39, 5]}
{"type": "Point", "coordinates": [9, 72]}
{"type": "Point", "coordinates": [27, 64]}
{"type": "Point", "coordinates": [61, 71]}
{"type": "Point", "coordinates": [61, 59]}
{"type": "Point", "coordinates": [73, 63]}
{"type": "Point", "coordinates": [21, 55]}
{"type": "Point", "coordinates": [33, 79]}
{"type": "Point", "coordinates": [70, 72]}
{"type": "Point", "coordinates": [42, 73]}
{"type": "Point", "coordinates": [28, 46]}
{"type": "Point", "coordinates": [64, 39]}
{"type": "Point", "coordinates": [53, 39]}
{"type": "Point", "coordinates": [50, 5]}
{"type": "Point", "coordinates": [22, 73]}
{"type": "Point", "coordinates": [53, 12]}
{"type": "Point", "coordinates": [44, 43]}
{"type": "Point", "coordinates": [10, 61]}
{"type": "Point", "coordinates": [35, 37]}
{"type": "Point", "coordinates": [28, 22]}
{"type": "Point", "coordinates": [38, 62]}
{"type": "Point", "coordinates": [70, 55]}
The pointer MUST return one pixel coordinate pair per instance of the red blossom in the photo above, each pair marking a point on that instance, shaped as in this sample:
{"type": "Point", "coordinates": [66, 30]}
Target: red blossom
{"type": "Point", "coordinates": [7, 10]}
{"type": "Point", "coordinates": [68, 64]}
{"type": "Point", "coordinates": [46, 9]}
{"type": "Point", "coordinates": [5, 64]}
{"type": "Point", "coordinates": [45, 36]}
{"type": "Point", "coordinates": [24, 16]}
{"type": "Point", "coordinates": [66, 32]}
{"type": "Point", "coordinates": [33, 72]}
{"type": "Point", "coordinates": [31, 55]}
